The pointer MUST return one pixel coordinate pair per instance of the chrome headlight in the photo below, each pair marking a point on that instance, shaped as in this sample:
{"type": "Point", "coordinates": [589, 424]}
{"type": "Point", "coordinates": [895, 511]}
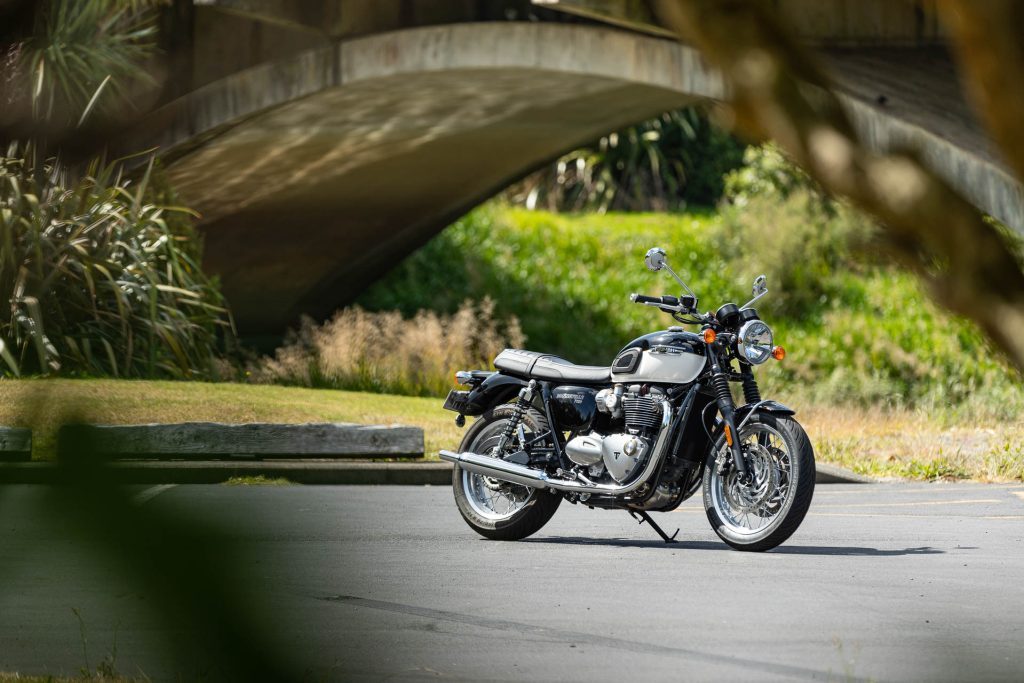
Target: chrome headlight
{"type": "Point", "coordinates": [755, 342]}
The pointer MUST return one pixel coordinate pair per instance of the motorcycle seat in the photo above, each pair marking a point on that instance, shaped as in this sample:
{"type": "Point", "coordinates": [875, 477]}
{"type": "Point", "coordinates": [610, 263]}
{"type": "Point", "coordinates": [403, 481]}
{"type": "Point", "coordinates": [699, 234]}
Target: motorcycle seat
{"type": "Point", "coordinates": [545, 366]}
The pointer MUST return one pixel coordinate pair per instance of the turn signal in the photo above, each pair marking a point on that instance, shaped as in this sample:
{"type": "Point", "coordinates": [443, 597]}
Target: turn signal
{"type": "Point", "coordinates": [778, 353]}
{"type": "Point", "coordinates": [709, 336]}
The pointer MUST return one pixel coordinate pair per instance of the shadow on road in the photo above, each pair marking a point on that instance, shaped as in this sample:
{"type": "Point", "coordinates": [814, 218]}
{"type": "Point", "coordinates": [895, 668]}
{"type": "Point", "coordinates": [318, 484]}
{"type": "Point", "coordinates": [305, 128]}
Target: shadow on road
{"type": "Point", "coordinates": [711, 545]}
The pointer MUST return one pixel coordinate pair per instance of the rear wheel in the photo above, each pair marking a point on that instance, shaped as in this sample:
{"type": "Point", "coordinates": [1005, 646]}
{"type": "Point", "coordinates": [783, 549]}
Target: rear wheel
{"type": "Point", "coordinates": [765, 513]}
{"type": "Point", "coordinates": [498, 509]}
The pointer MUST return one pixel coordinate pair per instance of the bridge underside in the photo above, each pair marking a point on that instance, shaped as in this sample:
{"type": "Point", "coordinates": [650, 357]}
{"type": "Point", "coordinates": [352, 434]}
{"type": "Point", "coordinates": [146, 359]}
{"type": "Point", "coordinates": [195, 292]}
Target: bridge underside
{"type": "Point", "coordinates": [316, 199]}
{"type": "Point", "coordinates": [318, 173]}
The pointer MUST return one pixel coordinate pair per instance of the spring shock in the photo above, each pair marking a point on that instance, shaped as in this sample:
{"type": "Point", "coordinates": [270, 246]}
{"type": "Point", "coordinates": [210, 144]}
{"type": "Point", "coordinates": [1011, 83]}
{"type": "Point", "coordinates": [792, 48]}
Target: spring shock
{"type": "Point", "coordinates": [518, 411]}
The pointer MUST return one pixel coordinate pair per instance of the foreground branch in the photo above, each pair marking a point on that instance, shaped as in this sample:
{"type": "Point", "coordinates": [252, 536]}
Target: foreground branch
{"type": "Point", "coordinates": [778, 92]}
{"type": "Point", "coordinates": [988, 45]}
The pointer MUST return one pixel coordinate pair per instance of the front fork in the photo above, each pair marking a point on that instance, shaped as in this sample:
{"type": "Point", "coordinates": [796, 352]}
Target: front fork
{"type": "Point", "coordinates": [727, 407]}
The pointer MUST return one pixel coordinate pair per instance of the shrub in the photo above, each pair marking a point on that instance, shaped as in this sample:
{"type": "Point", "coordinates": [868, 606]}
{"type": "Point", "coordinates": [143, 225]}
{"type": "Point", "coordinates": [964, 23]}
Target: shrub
{"type": "Point", "coordinates": [102, 277]}
{"type": "Point", "coordinates": [666, 163]}
{"type": "Point", "coordinates": [386, 352]}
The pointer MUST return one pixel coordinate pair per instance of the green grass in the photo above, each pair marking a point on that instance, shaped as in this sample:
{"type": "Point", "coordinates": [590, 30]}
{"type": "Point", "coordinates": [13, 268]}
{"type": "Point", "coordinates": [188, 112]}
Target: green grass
{"type": "Point", "coordinates": [43, 403]}
{"type": "Point", "coordinates": [909, 444]}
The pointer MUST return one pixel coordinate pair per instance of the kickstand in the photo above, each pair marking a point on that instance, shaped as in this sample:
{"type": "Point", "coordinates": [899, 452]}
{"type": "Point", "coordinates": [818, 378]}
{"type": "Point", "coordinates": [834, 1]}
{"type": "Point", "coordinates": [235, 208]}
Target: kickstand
{"type": "Point", "coordinates": [644, 517]}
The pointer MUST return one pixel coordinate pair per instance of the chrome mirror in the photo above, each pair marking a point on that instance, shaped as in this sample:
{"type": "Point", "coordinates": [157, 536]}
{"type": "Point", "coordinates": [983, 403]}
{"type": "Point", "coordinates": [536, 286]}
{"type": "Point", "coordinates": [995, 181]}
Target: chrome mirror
{"type": "Point", "coordinates": [760, 286]}
{"type": "Point", "coordinates": [759, 289]}
{"type": "Point", "coordinates": [655, 259]}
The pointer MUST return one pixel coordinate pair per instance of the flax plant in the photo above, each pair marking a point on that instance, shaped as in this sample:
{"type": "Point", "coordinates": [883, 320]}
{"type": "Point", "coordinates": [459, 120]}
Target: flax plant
{"type": "Point", "coordinates": [101, 278]}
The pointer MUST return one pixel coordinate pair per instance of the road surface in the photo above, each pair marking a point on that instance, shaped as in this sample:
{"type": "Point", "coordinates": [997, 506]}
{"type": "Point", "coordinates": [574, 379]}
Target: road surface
{"type": "Point", "coordinates": [882, 582]}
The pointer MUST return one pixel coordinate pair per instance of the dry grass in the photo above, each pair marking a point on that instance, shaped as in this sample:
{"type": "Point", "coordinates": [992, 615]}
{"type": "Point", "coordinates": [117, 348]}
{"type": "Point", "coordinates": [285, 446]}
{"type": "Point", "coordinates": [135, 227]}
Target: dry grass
{"type": "Point", "coordinates": [915, 445]}
{"type": "Point", "coordinates": [385, 352]}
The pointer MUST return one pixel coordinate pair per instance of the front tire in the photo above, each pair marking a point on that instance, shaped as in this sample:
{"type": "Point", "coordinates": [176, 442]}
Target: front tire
{"type": "Point", "coordinates": [762, 516]}
{"type": "Point", "coordinates": [494, 509]}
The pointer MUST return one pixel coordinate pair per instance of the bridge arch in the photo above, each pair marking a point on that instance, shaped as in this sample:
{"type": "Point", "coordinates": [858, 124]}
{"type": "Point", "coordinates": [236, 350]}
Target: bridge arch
{"type": "Point", "coordinates": [317, 173]}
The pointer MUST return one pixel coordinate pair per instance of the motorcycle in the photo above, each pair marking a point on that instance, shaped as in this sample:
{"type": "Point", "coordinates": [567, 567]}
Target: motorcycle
{"type": "Point", "coordinates": [641, 435]}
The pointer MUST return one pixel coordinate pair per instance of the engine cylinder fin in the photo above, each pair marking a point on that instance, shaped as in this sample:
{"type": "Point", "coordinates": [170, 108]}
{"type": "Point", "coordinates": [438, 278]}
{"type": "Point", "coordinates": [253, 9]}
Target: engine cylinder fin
{"type": "Point", "coordinates": [641, 412]}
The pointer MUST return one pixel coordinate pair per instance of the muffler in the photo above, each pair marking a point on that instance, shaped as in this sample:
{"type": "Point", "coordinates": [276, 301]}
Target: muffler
{"type": "Point", "coordinates": [538, 479]}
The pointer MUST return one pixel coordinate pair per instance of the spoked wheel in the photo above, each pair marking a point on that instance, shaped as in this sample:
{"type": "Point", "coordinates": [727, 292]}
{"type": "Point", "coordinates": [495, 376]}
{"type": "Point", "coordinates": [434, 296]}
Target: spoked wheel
{"type": "Point", "coordinates": [494, 508]}
{"type": "Point", "coordinates": [764, 513]}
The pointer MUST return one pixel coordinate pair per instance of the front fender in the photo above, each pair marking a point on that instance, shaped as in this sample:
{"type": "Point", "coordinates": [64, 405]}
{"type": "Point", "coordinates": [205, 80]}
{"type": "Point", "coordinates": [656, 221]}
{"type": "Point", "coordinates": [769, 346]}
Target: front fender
{"type": "Point", "coordinates": [771, 407]}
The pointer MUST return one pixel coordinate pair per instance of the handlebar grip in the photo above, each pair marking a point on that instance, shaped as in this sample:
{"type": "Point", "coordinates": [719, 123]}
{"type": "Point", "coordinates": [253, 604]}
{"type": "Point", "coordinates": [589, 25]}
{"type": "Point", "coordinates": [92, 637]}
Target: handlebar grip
{"type": "Point", "coordinates": [656, 300]}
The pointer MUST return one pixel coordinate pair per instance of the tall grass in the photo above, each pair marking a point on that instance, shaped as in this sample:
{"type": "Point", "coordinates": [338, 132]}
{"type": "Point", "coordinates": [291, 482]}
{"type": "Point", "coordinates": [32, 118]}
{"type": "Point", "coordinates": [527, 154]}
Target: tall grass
{"type": "Point", "coordinates": [386, 352]}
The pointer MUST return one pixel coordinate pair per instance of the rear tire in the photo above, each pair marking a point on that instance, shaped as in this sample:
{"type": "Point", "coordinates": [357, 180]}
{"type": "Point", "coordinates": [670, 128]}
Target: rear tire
{"type": "Point", "coordinates": [783, 460]}
{"type": "Point", "coordinates": [528, 509]}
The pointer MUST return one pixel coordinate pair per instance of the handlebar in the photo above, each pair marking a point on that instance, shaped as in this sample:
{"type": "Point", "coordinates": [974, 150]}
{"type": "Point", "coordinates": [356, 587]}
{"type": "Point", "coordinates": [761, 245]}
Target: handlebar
{"type": "Point", "coordinates": [654, 300]}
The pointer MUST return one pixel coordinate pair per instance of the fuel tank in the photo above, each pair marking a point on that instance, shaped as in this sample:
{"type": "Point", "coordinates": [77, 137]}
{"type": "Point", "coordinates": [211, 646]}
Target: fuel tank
{"type": "Point", "coordinates": [669, 357]}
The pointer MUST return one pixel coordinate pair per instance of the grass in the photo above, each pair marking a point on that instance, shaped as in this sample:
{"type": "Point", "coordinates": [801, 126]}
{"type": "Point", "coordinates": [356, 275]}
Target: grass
{"type": "Point", "coordinates": [43, 403]}
{"type": "Point", "coordinates": [897, 443]}
{"type": "Point", "coordinates": [914, 444]}
{"type": "Point", "coordinates": [258, 480]}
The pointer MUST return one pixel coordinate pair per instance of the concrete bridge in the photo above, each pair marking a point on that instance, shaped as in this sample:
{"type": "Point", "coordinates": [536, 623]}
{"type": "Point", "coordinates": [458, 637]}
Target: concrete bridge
{"type": "Point", "coordinates": [323, 141]}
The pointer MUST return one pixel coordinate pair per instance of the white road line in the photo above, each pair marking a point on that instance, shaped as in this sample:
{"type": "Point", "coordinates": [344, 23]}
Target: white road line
{"type": "Point", "coordinates": [928, 488]}
{"type": "Point", "coordinates": [914, 504]}
{"type": "Point", "coordinates": [1019, 494]}
{"type": "Point", "coordinates": [890, 515]}
{"type": "Point", "coordinates": [150, 493]}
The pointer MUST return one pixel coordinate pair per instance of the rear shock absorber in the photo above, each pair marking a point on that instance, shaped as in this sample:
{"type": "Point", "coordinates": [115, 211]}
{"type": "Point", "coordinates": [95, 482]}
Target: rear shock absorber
{"type": "Point", "coordinates": [518, 411]}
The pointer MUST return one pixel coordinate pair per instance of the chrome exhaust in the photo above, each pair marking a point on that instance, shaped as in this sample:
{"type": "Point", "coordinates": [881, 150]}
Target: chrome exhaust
{"type": "Point", "coordinates": [538, 479]}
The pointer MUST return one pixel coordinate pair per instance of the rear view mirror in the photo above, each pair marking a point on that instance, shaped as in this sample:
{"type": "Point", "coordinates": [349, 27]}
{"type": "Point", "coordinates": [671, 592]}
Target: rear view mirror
{"type": "Point", "coordinates": [655, 259]}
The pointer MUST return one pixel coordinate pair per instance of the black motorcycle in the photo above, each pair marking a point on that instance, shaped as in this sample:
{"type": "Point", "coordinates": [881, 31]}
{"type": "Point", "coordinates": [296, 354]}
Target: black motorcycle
{"type": "Point", "coordinates": [642, 435]}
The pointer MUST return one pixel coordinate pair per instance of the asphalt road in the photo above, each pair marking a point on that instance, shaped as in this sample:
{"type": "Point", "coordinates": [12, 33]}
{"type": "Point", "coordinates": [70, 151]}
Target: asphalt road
{"type": "Point", "coordinates": [882, 582]}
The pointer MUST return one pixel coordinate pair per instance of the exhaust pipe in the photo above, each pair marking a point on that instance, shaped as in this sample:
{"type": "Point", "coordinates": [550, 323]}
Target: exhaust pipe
{"type": "Point", "coordinates": [538, 479]}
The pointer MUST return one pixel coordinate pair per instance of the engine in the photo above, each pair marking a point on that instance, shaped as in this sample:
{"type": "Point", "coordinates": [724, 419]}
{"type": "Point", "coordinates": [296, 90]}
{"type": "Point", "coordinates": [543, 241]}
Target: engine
{"type": "Point", "coordinates": [620, 454]}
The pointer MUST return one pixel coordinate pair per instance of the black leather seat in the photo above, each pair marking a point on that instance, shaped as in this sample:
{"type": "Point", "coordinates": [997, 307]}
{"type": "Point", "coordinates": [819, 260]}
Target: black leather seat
{"type": "Point", "coordinates": [534, 365]}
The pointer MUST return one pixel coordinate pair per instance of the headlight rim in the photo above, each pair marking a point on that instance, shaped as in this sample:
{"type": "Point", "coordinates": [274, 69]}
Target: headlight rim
{"type": "Point", "coordinates": [742, 345]}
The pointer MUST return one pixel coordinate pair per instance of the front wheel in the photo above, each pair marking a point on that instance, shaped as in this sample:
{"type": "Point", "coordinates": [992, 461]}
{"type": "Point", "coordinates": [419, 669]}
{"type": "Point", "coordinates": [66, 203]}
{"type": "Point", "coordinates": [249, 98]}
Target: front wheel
{"type": "Point", "coordinates": [766, 512]}
{"type": "Point", "coordinates": [498, 509]}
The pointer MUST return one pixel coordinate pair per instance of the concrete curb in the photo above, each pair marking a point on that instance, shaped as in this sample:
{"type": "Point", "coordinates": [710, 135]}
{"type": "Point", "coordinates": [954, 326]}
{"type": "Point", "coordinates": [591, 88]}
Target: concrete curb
{"type": "Point", "coordinates": [833, 474]}
{"type": "Point", "coordinates": [308, 472]}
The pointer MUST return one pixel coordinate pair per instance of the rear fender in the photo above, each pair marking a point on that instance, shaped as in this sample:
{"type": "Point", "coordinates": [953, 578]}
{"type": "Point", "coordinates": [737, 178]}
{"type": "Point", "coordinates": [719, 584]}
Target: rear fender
{"type": "Point", "coordinates": [493, 391]}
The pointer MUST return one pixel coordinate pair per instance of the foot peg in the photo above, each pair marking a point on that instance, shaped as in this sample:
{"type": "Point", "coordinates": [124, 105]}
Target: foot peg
{"type": "Point", "coordinates": [644, 517]}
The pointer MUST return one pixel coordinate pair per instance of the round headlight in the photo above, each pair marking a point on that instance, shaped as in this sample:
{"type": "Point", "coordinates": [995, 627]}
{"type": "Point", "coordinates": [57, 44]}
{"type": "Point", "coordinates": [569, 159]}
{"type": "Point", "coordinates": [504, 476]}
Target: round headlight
{"type": "Point", "coordinates": [755, 342]}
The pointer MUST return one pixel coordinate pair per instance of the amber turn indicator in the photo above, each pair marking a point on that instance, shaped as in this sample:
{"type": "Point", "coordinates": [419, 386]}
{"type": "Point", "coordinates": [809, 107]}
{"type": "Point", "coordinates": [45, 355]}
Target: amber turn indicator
{"type": "Point", "coordinates": [778, 353]}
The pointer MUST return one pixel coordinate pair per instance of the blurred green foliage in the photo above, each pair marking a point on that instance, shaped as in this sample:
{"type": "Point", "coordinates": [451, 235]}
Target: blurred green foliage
{"type": "Point", "coordinates": [857, 329]}
{"type": "Point", "coordinates": [85, 55]}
